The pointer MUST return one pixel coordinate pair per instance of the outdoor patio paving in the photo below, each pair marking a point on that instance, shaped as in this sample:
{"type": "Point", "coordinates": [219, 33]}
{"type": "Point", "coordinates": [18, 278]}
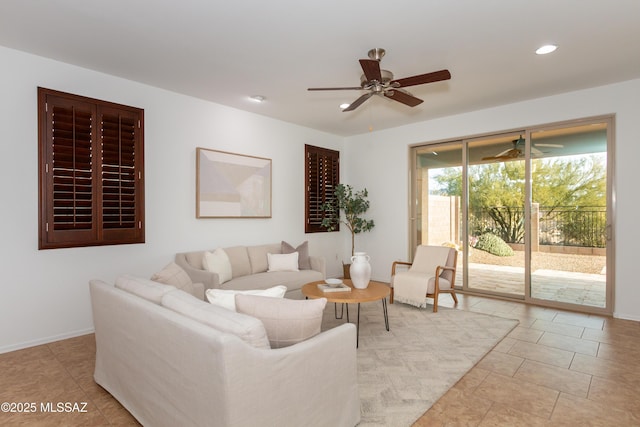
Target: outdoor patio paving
{"type": "Point", "coordinates": [553, 285]}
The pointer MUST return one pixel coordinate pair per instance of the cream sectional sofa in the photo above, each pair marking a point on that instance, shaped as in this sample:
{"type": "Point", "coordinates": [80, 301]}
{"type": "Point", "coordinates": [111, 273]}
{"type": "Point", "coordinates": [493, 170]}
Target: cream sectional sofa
{"type": "Point", "coordinates": [249, 265]}
{"type": "Point", "coordinates": [173, 360]}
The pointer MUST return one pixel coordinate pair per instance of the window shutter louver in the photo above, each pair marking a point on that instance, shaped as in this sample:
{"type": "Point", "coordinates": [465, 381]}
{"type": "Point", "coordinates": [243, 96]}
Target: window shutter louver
{"type": "Point", "coordinates": [322, 175]}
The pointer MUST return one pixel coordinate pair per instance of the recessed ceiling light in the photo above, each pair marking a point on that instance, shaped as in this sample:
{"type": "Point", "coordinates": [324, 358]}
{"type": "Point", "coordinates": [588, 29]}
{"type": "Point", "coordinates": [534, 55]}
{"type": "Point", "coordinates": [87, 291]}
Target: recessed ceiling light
{"type": "Point", "coordinates": [548, 48]}
{"type": "Point", "coordinates": [258, 98]}
{"type": "Point", "coordinates": [343, 106]}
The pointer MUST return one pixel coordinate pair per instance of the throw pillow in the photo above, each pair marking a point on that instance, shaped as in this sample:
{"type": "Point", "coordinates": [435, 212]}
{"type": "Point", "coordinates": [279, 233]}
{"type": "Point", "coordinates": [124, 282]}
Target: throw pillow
{"type": "Point", "coordinates": [282, 262]}
{"type": "Point", "coordinates": [173, 274]}
{"type": "Point", "coordinates": [227, 298]}
{"type": "Point", "coordinates": [218, 262]}
{"type": "Point", "coordinates": [287, 321]}
{"type": "Point", "coordinates": [303, 254]}
{"type": "Point", "coordinates": [247, 328]}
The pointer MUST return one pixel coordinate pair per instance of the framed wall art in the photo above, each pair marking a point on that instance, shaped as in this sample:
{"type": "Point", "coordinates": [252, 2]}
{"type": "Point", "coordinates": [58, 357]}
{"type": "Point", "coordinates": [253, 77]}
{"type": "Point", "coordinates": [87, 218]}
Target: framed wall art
{"type": "Point", "coordinates": [232, 185]}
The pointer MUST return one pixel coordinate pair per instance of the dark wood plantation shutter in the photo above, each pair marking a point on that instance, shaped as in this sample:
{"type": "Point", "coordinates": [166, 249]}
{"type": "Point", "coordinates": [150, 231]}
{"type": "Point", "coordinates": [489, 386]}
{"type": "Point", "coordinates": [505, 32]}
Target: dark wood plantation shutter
{"type": "Point", "coordinates": [91, 169]}
{"type": "Point", "coordinates": [322, 174]}
{"type": "Point", "coordinates": [119, 176]}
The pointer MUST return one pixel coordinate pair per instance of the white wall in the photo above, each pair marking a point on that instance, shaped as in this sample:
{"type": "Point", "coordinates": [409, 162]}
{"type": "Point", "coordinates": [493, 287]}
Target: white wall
{"type": "Point", "coordinates": [44, 294]}
{"type": "Point", "coordinates": [386, 154]}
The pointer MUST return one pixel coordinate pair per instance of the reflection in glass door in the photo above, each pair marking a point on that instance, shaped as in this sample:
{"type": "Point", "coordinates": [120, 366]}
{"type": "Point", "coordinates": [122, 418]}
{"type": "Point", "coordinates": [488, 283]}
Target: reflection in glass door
{"type": "Point", "coordinates": [436, 211]}
{"type": "Point", "coordinates": [496, 214]}
{"type": "Point", "coordinates": [569, 215]}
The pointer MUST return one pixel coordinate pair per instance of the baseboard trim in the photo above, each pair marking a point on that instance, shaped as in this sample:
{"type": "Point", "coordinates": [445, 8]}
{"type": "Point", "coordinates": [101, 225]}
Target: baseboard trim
{"type": "Point", "coordinates": [46, 340]}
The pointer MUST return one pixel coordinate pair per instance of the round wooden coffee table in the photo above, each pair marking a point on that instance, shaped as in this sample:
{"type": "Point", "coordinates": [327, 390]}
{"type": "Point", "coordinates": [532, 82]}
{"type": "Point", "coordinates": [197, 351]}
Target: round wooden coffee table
{"type": "Point", "coordinates": [374, 292]}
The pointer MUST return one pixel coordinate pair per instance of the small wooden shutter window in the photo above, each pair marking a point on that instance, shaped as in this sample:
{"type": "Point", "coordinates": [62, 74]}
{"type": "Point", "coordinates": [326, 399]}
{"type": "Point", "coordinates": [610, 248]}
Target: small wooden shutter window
{"type": "Point", "coordinates": [91, 164]}
{"type": "Point", "coordinates": [322, 174]}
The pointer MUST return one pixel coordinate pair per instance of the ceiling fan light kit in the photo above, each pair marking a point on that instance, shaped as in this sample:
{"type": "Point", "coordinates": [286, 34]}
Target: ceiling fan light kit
{"type": "Point", "coordinates": [377, 81]}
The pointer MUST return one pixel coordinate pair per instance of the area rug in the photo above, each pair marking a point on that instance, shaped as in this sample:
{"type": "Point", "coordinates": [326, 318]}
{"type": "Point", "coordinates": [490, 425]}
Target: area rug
{"type": "Point", "coordinates": [403, 372]}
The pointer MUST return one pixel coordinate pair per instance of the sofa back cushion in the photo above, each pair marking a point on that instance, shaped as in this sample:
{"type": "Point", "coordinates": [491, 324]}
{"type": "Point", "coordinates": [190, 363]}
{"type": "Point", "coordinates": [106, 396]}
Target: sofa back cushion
{"type": "Point", "coordinates": [144, 288]}
{"type": "Point", "coordinates": [247, 328]}
{"type": "Point", "coordinates": [194, 259]}
{"type": "Point", "coordinates": [304, 263]}
{"type": "Point", "coordinates": [258, 256]}
{"type": "Point", "coordinates": [172, 274]}
{"type": "Point", "coordinates": [286, 321]}
{"type": "Point", "coordinates": [239, 258]}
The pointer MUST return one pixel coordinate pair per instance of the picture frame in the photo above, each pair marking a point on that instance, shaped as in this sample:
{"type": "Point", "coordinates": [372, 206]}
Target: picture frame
{"type": "Point", "coordinates": [230, 185]}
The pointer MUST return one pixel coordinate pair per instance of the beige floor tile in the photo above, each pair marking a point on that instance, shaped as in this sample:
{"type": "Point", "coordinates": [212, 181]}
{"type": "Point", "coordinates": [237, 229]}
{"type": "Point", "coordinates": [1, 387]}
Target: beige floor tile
{"type": "Point", "coordinates": [500, 363]}
{"type": "Point", "coordinates": [525, 334]}
{"type": "Point", "coordinates": [501, 415]}
{"type": "Point", "coordinates": [607, 369]}
{"type": "Point", "coordinates": [505, 345]}
{"type": "Point", "coordinates": [558, 328]}
{"type": "Point", "coordinates": [555, 378]}
{"type": "Point", "coordinates": [580, 319]}
{"type": "Point", "coordinates": [543, 354]}
{"type": "Point", "coordinates": [564, 342]}
{"type": "Point", "coordinates": [472, 379]}
{"type": "Point", "coordinates": [615, 337]}
{"type": "Point", "coordinates": [522, 396]}
{"type": "Point", "coordinates": [458, 407]}
{"type": "Point", "coordinates": [615, 395]}
{"type": "Point", "coordinates": [616, 354]}
{"type": "Point", "coordinates": [576, 411]}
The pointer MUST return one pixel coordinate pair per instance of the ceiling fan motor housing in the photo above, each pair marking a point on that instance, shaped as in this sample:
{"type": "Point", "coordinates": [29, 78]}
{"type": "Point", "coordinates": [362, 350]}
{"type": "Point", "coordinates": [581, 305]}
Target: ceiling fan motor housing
{"type": "Point", "coordinates": [387, 76]}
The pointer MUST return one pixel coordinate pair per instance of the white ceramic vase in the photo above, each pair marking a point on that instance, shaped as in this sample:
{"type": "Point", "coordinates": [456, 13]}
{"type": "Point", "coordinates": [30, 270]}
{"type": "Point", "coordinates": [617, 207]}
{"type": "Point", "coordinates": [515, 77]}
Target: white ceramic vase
{"type": "Point", "coordinates": [360, 270]}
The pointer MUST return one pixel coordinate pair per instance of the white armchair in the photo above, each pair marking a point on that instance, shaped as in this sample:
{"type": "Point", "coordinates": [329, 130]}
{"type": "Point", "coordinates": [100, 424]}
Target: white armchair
{"type": "Point", "coordinates": [432, 272]}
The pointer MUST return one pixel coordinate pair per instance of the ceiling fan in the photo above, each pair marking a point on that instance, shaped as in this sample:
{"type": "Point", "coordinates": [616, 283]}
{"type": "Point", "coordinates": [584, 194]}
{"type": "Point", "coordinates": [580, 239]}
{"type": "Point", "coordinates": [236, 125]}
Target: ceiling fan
{"type": "Point", "coordinates": [515, 152]}
{"type": "Point", "coordinates": [381, 82]}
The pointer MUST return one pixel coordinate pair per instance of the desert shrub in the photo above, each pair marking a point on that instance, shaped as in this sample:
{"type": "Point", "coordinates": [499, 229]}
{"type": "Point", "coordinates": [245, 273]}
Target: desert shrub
{"type": "Point", "coordinates": [493, 244]}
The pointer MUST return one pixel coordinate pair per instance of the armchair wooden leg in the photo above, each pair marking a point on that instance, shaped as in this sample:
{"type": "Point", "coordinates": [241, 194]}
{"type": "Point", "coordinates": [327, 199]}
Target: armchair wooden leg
{"type": "Point", "coordinates": [455, 298]}
{"type": "Point", "coordinates": [391, 297]}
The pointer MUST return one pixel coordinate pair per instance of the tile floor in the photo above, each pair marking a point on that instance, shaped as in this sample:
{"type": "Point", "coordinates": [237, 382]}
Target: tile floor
{"type": "Point", "coordinates": [556, 368]}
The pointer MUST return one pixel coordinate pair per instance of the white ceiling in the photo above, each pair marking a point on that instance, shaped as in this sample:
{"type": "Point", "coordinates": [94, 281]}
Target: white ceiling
{"type": "Point", "coordinates": [226, 51]}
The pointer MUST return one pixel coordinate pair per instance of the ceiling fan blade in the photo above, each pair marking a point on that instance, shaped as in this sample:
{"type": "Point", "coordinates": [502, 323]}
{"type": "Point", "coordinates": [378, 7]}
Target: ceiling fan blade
{"type": "Point", "coordinates": [421, 79]}
{"type": "Point", "coordinates": [335, 88]}
{"type": "Point", "coordinates": [371, 69]}
{"type": "Point", "coordinates": [355, 104]}
{"type": "Point", "coordinates": [403, 97]}
{"type": "Point", "coordinates": [510, 154]}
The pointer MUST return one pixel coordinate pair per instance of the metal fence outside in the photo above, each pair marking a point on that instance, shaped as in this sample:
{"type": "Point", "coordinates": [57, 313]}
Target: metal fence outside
{"type": "Point", "coordinates": [583, 226]}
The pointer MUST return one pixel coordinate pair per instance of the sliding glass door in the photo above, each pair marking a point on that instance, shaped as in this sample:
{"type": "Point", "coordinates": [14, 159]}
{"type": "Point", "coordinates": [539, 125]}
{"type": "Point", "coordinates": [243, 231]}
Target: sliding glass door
{"type": "Point", "coordinates": [570, 219]}
{"type": "Point", "coordinates": [496, 214]}
{"type": "Point", "coordinates": [529, 210]}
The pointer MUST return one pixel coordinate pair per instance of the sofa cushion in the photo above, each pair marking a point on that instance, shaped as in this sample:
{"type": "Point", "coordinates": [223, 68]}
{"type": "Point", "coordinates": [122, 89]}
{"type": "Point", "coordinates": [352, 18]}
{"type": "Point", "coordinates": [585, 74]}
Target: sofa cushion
{"type": "Point", "coordinates": [239, 258]}
{"type": "Point", "coordinates": [247, 328]}
{"type": "Point", "coordinates": [291, 279]}
{"type": "Point", "coordinates": [282, 262]}
{"type": "Point", "coordinates": [258, 256]}
{"type": "Point", "coordinates": [173, 274]}
{"type": "Point", "coordinates": [144, 288]}
{"type": "Point", "coordinates": [303, 254]}
{"type": "Point", "coordinates": [287, 321]}
{"type": "Point", "coordinates": [218, 262]}
{"type": "Point", "coordinates": [226, 297]}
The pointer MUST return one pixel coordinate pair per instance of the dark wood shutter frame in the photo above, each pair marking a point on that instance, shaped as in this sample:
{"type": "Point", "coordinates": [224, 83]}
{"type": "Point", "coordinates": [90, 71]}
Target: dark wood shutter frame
{"type": "Point", "coordinates": [322, 174]}
{"type": "Point", "coordinates": [91, 164]}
